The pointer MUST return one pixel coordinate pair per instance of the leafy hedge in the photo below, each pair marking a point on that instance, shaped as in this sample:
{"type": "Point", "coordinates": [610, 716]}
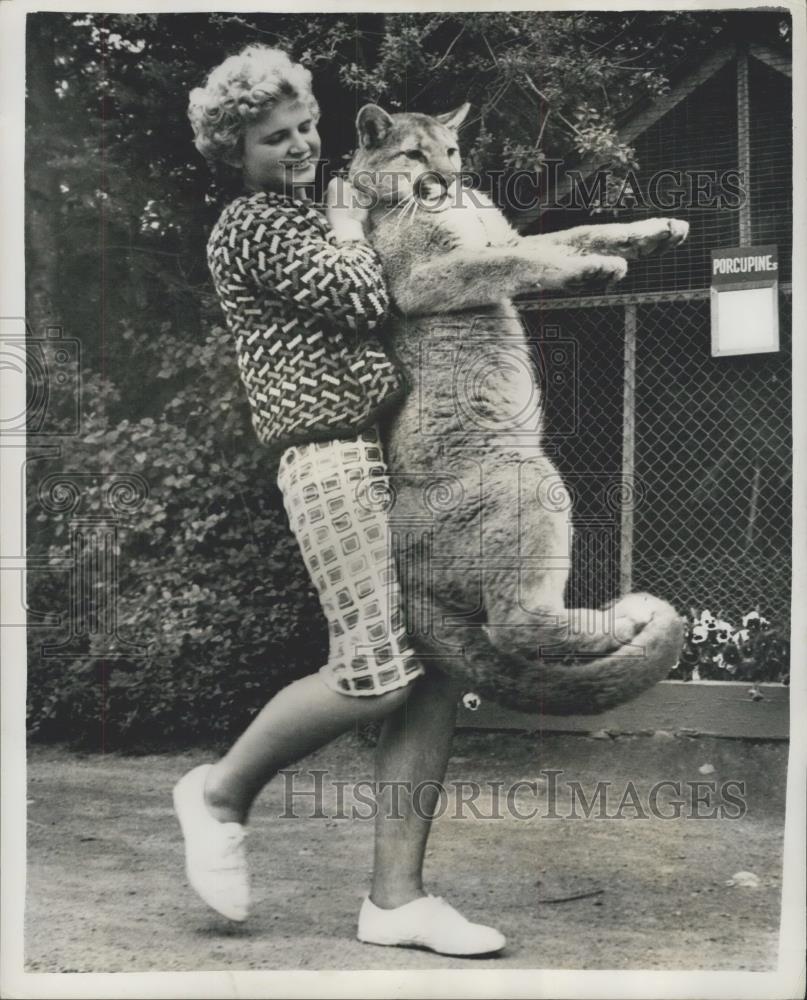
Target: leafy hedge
{"type": "Point", "coordinates": [211, 579]}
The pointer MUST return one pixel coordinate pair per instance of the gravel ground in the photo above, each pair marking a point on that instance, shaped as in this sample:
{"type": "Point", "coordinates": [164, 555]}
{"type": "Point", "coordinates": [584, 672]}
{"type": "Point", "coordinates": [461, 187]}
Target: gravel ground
{"type": "Point", "coordinates": [106, 889]}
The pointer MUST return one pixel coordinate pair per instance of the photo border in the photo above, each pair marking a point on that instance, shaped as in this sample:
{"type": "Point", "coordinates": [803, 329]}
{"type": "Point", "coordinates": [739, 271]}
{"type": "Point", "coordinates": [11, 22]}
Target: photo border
{"type": "Point", "coordinates": [786, 981]}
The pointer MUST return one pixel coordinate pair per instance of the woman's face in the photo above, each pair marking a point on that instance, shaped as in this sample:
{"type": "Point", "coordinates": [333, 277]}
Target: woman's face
{"type": "Point", "coordinates": [281, 148]}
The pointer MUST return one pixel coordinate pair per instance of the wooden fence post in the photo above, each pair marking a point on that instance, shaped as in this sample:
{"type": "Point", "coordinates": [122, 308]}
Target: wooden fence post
{"type": "Point", "coordinates": [628, 451]}
{"type": "Point", "coordinates": [744, 146]}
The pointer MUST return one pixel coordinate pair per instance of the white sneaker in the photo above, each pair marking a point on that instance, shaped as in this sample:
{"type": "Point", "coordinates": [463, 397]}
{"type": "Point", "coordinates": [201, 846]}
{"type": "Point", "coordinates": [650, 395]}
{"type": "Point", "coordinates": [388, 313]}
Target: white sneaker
{"type": "Point", "coordinates": [215, 859]}
{"type": "Point", "coordinates": [429, 922]}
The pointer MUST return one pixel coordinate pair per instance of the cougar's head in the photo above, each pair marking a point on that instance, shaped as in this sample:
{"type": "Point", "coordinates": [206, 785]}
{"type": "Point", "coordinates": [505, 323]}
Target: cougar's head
{"type": "Point", "coordinates": [405, 156]}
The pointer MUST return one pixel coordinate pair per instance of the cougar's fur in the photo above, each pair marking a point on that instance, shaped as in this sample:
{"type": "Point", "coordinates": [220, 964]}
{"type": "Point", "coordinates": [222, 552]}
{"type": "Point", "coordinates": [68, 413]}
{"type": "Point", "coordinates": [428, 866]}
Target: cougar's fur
{"type": "Point", "coordinates": [480, 515]}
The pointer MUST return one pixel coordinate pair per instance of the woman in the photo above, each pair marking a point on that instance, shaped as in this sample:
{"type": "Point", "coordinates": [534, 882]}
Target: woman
{"type": "Point", "coordinates": [303, 295]}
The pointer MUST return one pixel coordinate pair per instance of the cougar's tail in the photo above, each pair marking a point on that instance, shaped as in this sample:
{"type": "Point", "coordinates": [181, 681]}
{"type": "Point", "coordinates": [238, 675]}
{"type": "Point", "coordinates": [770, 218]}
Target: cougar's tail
{"type": "Point", "coordinates": [568, 685]}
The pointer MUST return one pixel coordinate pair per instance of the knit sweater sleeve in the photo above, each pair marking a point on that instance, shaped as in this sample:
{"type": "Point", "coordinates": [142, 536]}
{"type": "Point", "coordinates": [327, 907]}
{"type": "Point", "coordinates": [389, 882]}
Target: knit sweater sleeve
{"type": "Point", "coordinates": [286, 249]}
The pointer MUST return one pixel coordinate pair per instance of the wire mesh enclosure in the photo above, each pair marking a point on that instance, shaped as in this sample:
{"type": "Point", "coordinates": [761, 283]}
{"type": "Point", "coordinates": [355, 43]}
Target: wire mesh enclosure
{"type": "Point", "coordinates": [713, 450]}
{"type": "Point", "coordinates": [583, 433]}
{"type": "Point", "coordinates": [719, 158]}
{"type": "Point", "coordinates": [679, 463]}
{"type": "Point", "coordinates": [696, 142]}
{"type": "Point", "coordinates": [770, 161]}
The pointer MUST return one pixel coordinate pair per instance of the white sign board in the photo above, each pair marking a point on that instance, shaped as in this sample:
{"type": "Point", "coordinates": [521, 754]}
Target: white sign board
{"type": "Point", "coordinates": [745, 301]}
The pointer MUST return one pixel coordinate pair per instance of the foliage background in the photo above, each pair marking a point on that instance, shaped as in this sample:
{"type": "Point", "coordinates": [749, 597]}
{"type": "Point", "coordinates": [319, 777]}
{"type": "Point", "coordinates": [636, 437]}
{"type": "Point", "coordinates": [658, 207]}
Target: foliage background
{"type": "Point", "coordinates": [118, 205]}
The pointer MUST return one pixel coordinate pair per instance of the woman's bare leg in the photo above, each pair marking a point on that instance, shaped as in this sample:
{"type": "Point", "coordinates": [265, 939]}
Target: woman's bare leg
{"type": "Point", "coordinates": [298, 720]}
{"type": "Point", "coordinates": [414, 747]}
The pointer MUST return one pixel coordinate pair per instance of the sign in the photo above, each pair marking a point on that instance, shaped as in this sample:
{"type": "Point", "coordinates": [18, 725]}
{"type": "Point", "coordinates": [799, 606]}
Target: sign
{"type": "Point", "coordinates": [745, 300]}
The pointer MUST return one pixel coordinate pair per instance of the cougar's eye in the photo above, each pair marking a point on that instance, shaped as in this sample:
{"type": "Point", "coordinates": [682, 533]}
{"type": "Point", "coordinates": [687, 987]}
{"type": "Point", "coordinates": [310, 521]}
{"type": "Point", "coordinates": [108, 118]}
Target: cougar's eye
{"type": "Point", "coordinates": [453, 151]}
{"type": "Point", "coordinates": [414, 154]}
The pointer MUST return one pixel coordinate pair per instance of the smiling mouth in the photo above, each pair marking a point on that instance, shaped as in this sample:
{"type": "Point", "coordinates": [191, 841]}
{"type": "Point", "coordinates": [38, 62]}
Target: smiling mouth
{"type": "Point", "coordinates": [298, 164]}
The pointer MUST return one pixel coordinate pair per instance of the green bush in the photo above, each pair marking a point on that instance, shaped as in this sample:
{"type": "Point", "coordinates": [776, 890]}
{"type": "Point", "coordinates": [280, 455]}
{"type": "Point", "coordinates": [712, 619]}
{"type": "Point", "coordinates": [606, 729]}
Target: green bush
{"type": "Point", "coordinates": [210, 576]}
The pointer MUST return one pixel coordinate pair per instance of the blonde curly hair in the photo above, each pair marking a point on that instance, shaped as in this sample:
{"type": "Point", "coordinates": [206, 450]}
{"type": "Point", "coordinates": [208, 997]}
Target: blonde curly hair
{"type": "Point", "coordinates": [239, 91]}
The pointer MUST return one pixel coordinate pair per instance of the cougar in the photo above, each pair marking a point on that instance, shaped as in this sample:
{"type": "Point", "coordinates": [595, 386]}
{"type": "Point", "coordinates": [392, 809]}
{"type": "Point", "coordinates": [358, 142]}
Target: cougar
{"type": "Point", "coordinates": [480, 517]}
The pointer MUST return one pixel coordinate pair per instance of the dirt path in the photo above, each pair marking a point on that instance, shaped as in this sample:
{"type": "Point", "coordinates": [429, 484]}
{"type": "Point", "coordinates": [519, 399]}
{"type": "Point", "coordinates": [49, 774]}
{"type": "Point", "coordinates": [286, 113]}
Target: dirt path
{"type": "Point", "coordinates": [106, 891]}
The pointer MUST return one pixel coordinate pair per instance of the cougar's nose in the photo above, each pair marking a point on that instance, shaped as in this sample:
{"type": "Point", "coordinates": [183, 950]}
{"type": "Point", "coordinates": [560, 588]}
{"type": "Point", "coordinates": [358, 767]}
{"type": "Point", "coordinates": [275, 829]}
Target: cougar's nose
{"type": "Point", "coordinates": [431, 183]}
{"type": "Point", "coordinates": [447, 174]}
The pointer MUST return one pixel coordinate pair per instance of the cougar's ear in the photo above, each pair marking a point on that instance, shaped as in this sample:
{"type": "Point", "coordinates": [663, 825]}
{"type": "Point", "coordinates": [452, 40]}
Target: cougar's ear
{"type": "Point", "coordinates": [372, 124]}
{"type": "Point", "coordinates": [453, 119]}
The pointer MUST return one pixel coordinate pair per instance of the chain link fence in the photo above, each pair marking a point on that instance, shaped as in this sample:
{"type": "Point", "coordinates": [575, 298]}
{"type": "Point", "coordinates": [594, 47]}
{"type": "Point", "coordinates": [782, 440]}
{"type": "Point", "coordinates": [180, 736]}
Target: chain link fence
{"type": "Point", "coordinates": [679, 463]}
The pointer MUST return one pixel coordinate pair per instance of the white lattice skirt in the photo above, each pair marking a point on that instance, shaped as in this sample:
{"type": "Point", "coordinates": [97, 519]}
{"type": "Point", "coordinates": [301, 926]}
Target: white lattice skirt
{"type": "Point", "coordinates": [336, 499]}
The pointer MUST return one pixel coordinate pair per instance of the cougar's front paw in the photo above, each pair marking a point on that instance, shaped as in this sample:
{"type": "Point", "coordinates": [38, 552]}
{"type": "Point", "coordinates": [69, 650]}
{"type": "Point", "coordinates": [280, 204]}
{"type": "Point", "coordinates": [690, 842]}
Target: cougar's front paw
{"type": "Point", "coordinates": [590, 270]}
{"type": "Point", "coordinates": [654, 236]}
{"type": "Point", "coordinates": [679, 230]}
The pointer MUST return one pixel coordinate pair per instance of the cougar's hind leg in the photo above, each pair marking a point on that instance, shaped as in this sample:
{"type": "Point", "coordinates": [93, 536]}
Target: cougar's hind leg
{"type": "Point", "coordinates": [536, 625]}
{"type": "Point", "coordinates": [500, 659]}
{"type": "Point", "coordinates": [458, 644]}
{"type": "Point", "coordinates": [525, 604]}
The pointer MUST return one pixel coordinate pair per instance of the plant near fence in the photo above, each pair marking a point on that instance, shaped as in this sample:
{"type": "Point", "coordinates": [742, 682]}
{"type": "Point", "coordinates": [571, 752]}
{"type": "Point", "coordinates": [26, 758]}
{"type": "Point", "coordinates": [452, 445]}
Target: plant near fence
{"type": "Point", "coordinates": [715, 649]}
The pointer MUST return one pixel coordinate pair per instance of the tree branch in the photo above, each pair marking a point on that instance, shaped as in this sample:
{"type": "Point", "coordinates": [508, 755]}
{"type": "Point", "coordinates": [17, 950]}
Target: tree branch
{"type": "Point", "coordinates": [439, 63]}
{"type": "Point", "coordinates": [544, 98]}
{"type": "Point", "coordinates": [447, 52]}
{"type": "Point", "coordinates": [543, 126]}
{"type": "Point", "coordinates": [619, 34]}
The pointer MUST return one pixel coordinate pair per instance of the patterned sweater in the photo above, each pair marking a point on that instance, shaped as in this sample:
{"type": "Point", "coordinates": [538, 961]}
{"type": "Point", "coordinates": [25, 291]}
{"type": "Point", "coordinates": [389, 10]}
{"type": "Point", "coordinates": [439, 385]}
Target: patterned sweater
{"type": "Point", "coordinates": [305, 314]}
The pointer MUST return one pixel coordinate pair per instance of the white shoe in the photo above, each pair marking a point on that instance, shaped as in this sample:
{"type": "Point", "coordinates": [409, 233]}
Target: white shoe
{"type": "Point", "coordinates": [429, 922]}
{"type": "Point", "coordinates": [215, 859]}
